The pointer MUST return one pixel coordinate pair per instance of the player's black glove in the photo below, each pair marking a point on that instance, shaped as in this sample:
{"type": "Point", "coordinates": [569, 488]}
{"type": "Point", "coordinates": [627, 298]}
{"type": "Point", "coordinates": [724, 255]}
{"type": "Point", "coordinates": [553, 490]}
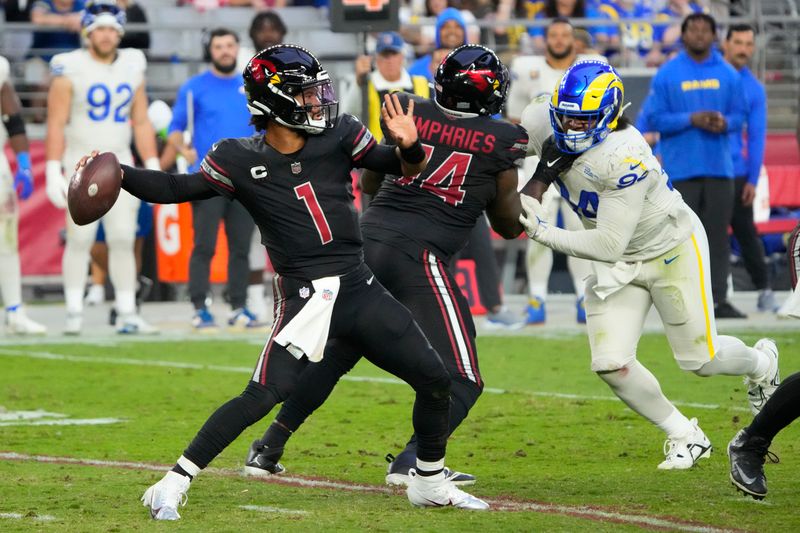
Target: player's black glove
{"type": "Point", "coordinates": [552, 163]}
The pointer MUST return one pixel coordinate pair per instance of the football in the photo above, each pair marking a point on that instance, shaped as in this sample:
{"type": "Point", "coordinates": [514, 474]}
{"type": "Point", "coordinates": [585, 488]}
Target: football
{"type": "Point", "coordinates": [94, 189]}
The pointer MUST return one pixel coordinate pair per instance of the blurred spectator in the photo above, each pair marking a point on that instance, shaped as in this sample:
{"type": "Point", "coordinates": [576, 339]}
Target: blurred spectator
{"type": "Point", "coordinates": [389, 75]}
{"type": "Point", "coordinates": [219, 107]}
{"type": "Point", "coordinates": [668, 36]}
{"type": "Point", "coordinates": [584, 43]}
{"type": "Point", "coordinates": [636, 42]}
{"type": "Point", "coordinates": [451, 32]}
{"type": "Point", "coordinates": [739, 47]}
{"type": "Point", "coordinates": [570, 9]}
{"type": "Point", "coordinates": [266, 29]}
{"type": "Point", "coordinates": [134, 13]}
{"type": "Point", "coordinates": [424, 38]}
{"type": "Point", "coordinates": [15, 44]}
{"type": "Point", "coordinates": [535, 76]}
{"type": "Point", "coordinates": [64, 14]}
{"type": "Point", "coordinates": [695, 100]}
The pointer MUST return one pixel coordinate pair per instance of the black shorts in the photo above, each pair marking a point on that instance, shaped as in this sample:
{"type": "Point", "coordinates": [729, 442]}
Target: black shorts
{"type": "Point", "coordinates": [424, 284]}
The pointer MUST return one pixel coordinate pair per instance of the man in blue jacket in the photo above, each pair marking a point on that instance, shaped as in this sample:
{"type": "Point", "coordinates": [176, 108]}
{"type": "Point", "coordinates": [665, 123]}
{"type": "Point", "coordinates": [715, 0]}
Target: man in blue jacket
{"type": "Point", "coordinates": [739, 46]}
{"type": "Point", "coordinates": [696, 100]}
{"type": "Point", "coordinates": [451, 32]}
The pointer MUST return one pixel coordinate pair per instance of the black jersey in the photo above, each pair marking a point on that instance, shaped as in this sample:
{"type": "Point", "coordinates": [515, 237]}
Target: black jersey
{"type": "Point", "coordinates": [438, 207]}
{"type": "Point", "coordinates": [301, 202]}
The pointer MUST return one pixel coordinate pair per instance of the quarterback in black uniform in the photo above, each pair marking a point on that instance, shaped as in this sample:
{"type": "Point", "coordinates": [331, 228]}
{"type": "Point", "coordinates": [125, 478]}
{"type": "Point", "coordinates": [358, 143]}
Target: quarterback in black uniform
{"type": "Point", "coordinates": [415, 224]}
{"type": "Point", "coordinates": [294, 179]}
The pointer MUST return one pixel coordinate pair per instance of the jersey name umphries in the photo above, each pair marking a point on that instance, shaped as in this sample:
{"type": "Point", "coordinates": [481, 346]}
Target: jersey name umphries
{"type": "Point", "coordinates": [438, 207]}
{"type": "Point", "coordinates": [623, 160]}
{"type": "Point", "coordinates": [302, 202]}
{"type": "Point", "coordinates": [102, 95]}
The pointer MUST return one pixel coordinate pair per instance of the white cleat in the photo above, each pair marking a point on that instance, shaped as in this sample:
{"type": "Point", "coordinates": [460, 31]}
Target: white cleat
{"type": "Point", "coordinates": [758, 392]}
{"type": "Point", "coordinates": [164, 498]}
{"type": "Point", "coordinates": [134, 325]}
{"type": "Point", "coordinates": [437, 491]}
{"type": "Point", "coordinates": [682, 453]}
{"type": "Point", "coordinates": [18, 323]}
{"type": "Point", "coordinates": [74, 324]}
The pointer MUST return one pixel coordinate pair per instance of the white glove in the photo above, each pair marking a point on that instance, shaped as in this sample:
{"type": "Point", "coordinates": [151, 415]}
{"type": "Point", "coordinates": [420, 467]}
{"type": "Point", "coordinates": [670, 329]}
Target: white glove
{"type": "Point", "coordinates": [533, 217]}
{"type": "Point", "coordinates": [56, 184]}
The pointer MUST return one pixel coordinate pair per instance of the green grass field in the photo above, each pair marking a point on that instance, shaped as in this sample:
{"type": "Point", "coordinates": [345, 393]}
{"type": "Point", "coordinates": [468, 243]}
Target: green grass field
{"type": "Point", "coordinates": [553, 450]}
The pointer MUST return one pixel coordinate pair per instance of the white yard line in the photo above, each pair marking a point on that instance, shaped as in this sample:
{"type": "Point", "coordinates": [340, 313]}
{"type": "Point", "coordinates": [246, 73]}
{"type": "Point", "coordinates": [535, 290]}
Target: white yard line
{"type": "Point", "coordinates": [266, 509]}
{"type": "Point", "coordinates": [596, 514]}
{"type": "Point", "coordinates": [30, 354]}
{"type": "Point", "coordinates": [20, 516]}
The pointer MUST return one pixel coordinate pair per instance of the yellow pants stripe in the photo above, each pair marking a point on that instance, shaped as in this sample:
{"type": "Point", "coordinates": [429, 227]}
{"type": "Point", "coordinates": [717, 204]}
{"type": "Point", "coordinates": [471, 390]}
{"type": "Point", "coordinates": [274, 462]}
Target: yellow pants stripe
{"type": "Point", "coordinates": [701, 273]}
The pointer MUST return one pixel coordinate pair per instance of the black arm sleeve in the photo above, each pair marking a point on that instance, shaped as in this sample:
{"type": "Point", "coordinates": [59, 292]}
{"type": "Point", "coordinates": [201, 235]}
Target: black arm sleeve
{"type": "Point", "coordinates": [383, 159]}
{"type": "Point", "coordinates": [163, 188]}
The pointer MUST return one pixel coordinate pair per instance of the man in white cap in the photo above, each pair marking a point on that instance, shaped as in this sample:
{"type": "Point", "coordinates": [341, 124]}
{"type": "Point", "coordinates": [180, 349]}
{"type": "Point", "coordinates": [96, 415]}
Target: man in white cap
{"type": "Point", "coordinates": [97, 101]}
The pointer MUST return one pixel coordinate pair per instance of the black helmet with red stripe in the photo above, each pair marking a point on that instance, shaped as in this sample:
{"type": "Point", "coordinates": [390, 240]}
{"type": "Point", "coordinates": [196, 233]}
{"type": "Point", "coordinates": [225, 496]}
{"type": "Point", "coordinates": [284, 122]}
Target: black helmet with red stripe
{"type": "Point", "coordinates": [471, 81]}
{"type": "Point", "coordinates": [286, 83]}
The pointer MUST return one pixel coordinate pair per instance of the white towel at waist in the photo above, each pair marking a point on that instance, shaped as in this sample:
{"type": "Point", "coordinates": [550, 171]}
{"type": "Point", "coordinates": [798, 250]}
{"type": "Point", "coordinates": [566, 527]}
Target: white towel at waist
{"type": "Point", "coordinates": [307, 333]}
{"type": "Point", "coordinates": [612, 277]}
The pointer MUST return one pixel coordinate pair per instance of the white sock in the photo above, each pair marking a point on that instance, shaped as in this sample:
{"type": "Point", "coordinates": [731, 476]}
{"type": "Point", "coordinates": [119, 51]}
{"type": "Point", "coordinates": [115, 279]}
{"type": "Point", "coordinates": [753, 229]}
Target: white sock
{"type": "Point", "coordinates": [256, 300]}
{"type": "Point", "coordinates": [122, 270]}
{"type": "Point", "coordinates": [675, 425]}
{"type": "Point", "coordinates": [735, 358]}
{"type": "Point", "coordinates": [74, 300]}
{"type": "Point", "coordinates": [539, 263]}
{"type": "Point", "coordinates": [640, 391]}
{"type": "Point", "coordinates": [10, 279]}
{"type": "Point", "coordinates": [74, 266]}
{"type": "Point", "coordinates": [125, 302]}
{"type": "Point", "coordinates": [430, 466]}
{"type": "Point", "coordinates": [190, 468]}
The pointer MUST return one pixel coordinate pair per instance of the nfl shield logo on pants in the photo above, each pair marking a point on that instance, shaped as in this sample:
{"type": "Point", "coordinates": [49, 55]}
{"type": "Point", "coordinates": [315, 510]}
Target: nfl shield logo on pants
{"type": "Point", "coordinates": [297, 168]}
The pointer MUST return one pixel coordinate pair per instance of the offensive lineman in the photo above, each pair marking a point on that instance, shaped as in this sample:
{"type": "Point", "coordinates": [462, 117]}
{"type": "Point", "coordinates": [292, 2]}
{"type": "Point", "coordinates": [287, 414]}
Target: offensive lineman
{"type": "Point", "coordinates": [20, 183]}
{"type": "Point", "coordinates": [294, 179]}
{"type": "Point", "coordinates": [535, 76]}
{"type": "Point", "coordinates": [647, 248]}
{"type": "Point", "coordinates": [96, 100]}
{"type": "Point", "coordinates": [413, 227]}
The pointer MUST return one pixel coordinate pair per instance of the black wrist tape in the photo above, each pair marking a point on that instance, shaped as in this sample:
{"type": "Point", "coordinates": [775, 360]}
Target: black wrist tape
{"type": "Point", "coordinates": [413, 154]}
{"type": "Point", "coordinates": [14, 124]}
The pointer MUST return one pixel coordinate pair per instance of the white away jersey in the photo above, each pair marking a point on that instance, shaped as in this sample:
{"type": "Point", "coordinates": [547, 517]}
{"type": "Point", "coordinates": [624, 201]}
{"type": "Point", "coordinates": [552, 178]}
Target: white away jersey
{"type": "Point", "coordinates": [643, 217]}
{"type": "Point", "coordinates": [102, 95]}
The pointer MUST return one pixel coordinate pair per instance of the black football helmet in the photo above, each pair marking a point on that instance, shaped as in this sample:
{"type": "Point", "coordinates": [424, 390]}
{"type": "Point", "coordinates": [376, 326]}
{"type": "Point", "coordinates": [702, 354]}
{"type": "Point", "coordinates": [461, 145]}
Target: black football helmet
{"type": "Point", "coordinates": [287, 83]}
{"type": "Point", "coordinates": [471, 81]}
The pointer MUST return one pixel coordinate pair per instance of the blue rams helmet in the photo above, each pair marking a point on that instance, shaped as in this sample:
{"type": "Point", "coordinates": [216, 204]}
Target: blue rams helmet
{"type": "Point", "coordinates": [102, 13]}
{"type": "Point", "coordinates": [590, 91]}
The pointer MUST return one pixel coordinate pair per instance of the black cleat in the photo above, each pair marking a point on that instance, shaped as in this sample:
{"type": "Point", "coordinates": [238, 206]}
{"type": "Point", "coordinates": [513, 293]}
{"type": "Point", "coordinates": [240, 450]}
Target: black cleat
{"type": "Point", "coordinates": [263, 461]}
{"type": "Point", "coordinates": [746, 455]}
{"type": "Point", "coordinates": [726, 310]}
{"type": "Point", "coordinates": [397, 474]}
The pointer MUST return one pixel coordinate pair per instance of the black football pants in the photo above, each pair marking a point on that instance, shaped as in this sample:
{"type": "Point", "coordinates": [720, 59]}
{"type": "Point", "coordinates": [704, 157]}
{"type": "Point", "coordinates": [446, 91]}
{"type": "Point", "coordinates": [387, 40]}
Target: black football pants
{"type": "Point", "coordinates": [364, 315]}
